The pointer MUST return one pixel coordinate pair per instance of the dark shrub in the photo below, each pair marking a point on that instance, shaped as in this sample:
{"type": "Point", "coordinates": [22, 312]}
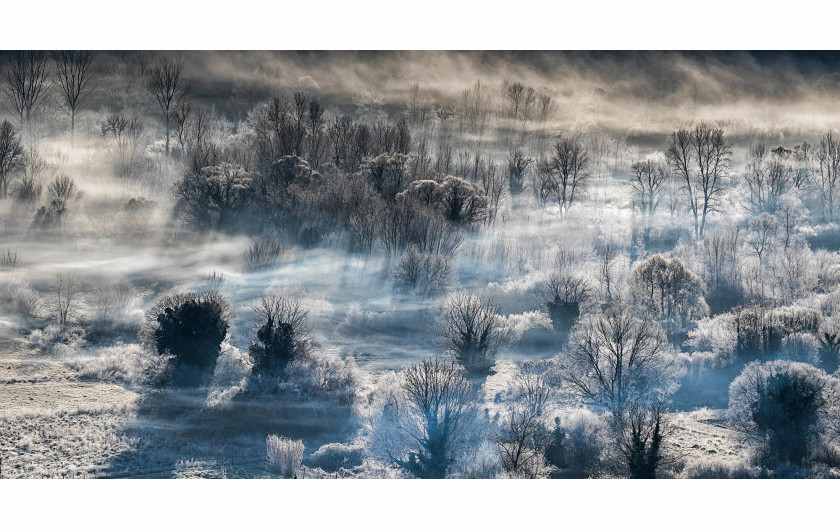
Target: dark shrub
{"type": "Point", "coordinates": [190, 327]}
{"type": "Point", "coordinates": [281, 330]}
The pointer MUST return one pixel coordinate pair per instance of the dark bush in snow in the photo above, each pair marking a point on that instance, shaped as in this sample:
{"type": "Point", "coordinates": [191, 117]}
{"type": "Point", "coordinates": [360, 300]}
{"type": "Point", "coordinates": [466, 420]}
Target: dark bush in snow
{"type": "Point", "coordinates": [190, 327]}
{"type": "Point", "coordinates": [281, 330]}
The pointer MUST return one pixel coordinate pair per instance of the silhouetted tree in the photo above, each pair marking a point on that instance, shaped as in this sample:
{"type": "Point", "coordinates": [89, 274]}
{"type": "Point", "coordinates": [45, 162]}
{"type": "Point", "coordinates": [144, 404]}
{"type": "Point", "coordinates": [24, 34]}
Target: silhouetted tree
{"type": "Point", "coordinates": [166, 86]}
{"type": "Point", "coordinates": [74, 75]}
{"type": "Point", "coordinates": [11, 156]}
{"type": "Point", "coordinates": [642, 432]}
{"type": "Point", "coordinates": [565, 295]}
{"type": "Point", "coordinates": [281, 330]}
{"type": "Point", "coordinates": [473, 330]}
{"type": "Point", "coordinates": [26, 83]}
{"type": "Point", "coordinates": [701, 157]}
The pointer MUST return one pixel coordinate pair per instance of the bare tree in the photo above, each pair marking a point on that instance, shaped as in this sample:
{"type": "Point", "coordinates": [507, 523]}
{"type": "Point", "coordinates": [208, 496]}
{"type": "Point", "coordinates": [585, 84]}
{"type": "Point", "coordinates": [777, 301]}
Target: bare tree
{"type": "Point", "coordinates": [647, 180]}
{"type": "Point", "coordinates": [473, 330]}
{"type": "Point", "coordinates": [569, 163]}
{"type": "Point", "coordinates": [314, 126]}
{"type": "Point", "coordinates": [616, 358]}
{"type": "Point", "coordinates": [180, 116]}
{"type": "Point", "coordinates": [425, 425]}
{"type": "Point", "coordinates": [166, 86]}
{"type": "Point", "coordinates": [516, 94]}
{"type": "Point", "coordinates": [11, 156]}
{"type": "Point", "coordinates": [517, 164]}
{"type": "Point", "coordinates": [701, 157]}
{"type": "Point", "coordinates": [522, 437]}
{"type": "Point", "coordinates": [74, 76]}
{"type": "Point", "coordinates": [493, 184]}
{"type": "Point", "coordinates": [67, 288]}
{"type": "Point", "coordinates": [26, 83]}
{"type": "Point", "coordinates": [607, 256]}
{"type": "Point", "coordinates": [803, 161]}
{"type": "Point", "coordinates": [768, 177]}
{"type": "Point", "coordinates": [828, 156]}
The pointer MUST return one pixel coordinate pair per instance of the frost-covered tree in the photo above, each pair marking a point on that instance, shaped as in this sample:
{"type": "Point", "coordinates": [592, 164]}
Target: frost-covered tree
{"type": "Point", "coordinates": [616, 358]}
{"type": "Point", "coordinates": [459, 201]}
{"type": "Point", "coordinates": [763, 228]}
{"type": "Point", "coordinates": [828, 176]}
{"type": "Point", "coordinates": [768, 177]}
{"type": "Point", "coordinates": [213, 197]}
{"type": "Point", "coordinates": [522, 432]}
{"type": "Point", "coordinates": [783, 408]}
{"type": "Point", "coordinates": [427, 421]}
{"type": "Point", "coordinates": [701, 157]}
{"type": "Point", "coordinates": [669, 291]}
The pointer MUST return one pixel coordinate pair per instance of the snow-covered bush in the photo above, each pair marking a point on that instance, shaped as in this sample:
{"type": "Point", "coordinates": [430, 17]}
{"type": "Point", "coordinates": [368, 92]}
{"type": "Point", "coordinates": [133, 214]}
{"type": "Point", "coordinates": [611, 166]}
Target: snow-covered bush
{"type": "Point", "coordinates": [360, 321]}
{"type": "Point", "coordinates": [323, 375]}
{"type": "Point", "coordinates": [335, 456]}
{"type": "Point", "coordinates": [283, 455]}
{"type": "Point", "coordinates": [716, 335]}
{"type": "Point", "coordinates": [784, 409]}
{"type": "Point", "coordinates": [18, 298]}
{"type": "Point", "coordinates": [128, 363]}
{"type": "Point", "coordinates": [579, 441]}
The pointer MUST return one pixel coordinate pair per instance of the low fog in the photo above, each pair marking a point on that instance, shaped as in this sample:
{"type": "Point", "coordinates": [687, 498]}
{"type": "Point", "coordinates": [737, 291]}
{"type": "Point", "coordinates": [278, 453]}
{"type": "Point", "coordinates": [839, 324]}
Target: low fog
{"type": "Point", "coordinates": [419, 264]}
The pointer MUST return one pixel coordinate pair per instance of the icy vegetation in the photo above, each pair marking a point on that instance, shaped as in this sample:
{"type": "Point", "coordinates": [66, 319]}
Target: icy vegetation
{"type": "Point", "coordinates": [205, 273]}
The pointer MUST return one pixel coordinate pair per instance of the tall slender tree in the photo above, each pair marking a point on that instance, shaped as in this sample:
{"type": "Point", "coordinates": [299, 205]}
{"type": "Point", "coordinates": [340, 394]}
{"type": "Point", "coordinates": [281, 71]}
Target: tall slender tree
{"type": "Point", "coordinates": [166, 86]}
{"type": "Point", "coordinates": [75, 78]}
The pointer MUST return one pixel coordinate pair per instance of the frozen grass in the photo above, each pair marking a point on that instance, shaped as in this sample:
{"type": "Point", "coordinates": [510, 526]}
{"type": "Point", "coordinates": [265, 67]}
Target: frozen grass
{"type": "Point", "coordinates": [283, 455]}
{"type": "Point", "coordinates": [126, 363]}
